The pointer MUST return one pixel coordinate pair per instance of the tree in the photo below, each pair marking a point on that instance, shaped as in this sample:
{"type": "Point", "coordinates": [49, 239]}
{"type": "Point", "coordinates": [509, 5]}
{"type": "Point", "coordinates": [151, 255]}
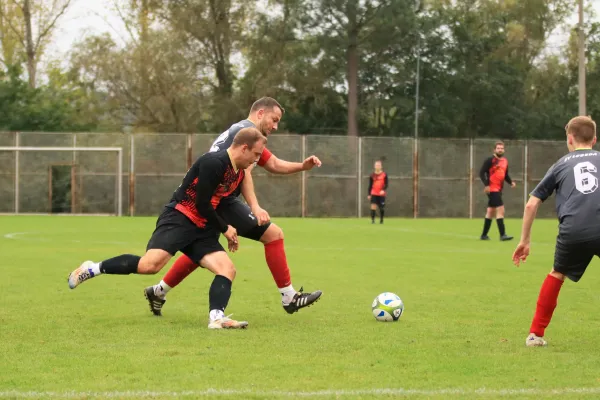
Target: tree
{"type": "Point", "coordinates": [21, 16]}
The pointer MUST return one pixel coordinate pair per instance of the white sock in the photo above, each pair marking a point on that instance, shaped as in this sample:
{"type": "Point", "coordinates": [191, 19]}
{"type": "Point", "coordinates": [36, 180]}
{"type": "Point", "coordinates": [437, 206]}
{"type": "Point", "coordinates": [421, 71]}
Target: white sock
{"type": "Point", "coordinates": [216, 314]}
{"type": "Point", "coordinates": [96, 269]}
{"type": "Point", "coordinates": [161, 289]}
{"type": "Point", "coordinates": [287, 294]}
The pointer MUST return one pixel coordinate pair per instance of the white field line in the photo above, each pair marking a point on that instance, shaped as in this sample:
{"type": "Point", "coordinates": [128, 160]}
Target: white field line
{"type": "Point", "coordinates": [321, 393]}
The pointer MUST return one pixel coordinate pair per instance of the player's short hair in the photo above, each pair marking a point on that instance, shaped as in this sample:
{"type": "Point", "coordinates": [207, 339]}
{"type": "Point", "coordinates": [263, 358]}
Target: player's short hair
{"type": "Point", "coordinates": [249, 136]}
{"type": "Point", "coordinates": [498, 143]}
{"type": "Point", "coordinates": [582, 128]}
{"type": "Point", "coordinates": [266, 102]}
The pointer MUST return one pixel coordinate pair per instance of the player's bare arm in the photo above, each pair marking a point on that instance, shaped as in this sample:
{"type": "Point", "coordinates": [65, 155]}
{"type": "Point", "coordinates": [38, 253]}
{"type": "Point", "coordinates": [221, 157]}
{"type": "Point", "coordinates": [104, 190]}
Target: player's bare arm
{"type": "Point", "coordinates": [509, 180]}
{"type": "Point", "coordinates": [278, 166]}
{"type": "Point", "coordinates": [249, 194]}
{"type": "Point", "coordinates": [522, 250]}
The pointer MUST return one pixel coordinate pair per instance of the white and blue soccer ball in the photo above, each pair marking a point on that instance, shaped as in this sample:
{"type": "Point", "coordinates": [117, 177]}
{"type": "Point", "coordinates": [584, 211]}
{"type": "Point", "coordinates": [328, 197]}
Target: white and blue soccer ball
{"type": "Point", "coordinates": [387, 307]}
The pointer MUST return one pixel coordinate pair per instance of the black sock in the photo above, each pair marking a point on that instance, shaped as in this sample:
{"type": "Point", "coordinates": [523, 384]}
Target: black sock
{"type": "Point", "coordinates": [373, 215]}
{"type": "Point", "coordinates": [500, 222]}
{"type": "Point", "coordinates": [121, 265]}
{"type": "Point", "coordinates": [219, 294]}
{"type": "Point", "coordinates": [381, 212]}
{"type": "Point", "coordinates": [486, 226]}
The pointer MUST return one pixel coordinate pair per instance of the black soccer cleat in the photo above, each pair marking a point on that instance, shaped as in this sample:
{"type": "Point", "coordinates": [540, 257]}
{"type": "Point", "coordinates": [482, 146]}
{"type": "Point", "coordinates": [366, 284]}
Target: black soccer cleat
{"type": "Point", "coordinates": [155, 302]}
{"type": "Point", "coordinates": [485, 237]}
{"type": "Point", "coordinates": [302, 300]}
{"type": "Point", "coordinates": [504, 238]}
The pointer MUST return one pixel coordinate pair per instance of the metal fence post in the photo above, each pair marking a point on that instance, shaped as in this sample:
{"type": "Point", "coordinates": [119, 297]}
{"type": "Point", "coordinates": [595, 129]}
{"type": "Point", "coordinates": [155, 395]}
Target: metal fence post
{"type": "Point", "coordinates": [415, 177]}
{"type": "Point", "coordinates": [471, 178]}
{"type": "Point", "coordinates": [303, 179]}
{"type": "Point", "coordinates": [359, 176]}
{"type": "Point", "coordinates": [525, 172]}
{"type": "Point", "coordinates": [17, 144]}
{"type": "Point", "coordinates": [131, 175]}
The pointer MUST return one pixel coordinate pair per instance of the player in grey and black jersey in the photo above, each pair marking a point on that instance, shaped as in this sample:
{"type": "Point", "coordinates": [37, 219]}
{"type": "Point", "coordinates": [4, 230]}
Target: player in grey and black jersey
{"type": "Point", "coordinates": [574, 178]}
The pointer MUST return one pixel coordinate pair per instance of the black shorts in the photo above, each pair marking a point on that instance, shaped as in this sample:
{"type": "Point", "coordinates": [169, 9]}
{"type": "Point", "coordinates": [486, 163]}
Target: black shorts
{"type": "Point", "coordinates": [378, 200]}
{"type": "Point", "coordinates": [572, 259]}
{"type": "Point", "coordinates": [495, 199]}
{"type": "Point", "coordinates": [238, 214]}
{"type": "Point", "coordinates": [175, 232]}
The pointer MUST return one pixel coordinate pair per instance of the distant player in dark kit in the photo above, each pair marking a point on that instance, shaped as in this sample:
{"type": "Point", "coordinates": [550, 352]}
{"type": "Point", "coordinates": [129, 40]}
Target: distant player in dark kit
{"type": "Point", "coordinates": [378, 184]}
{"type": "Point", "coordinates": [493, 173]}
{"type": "Point", "coordinates": [189, 223]}
{"type": "Point", "coordinates": [574, 178]}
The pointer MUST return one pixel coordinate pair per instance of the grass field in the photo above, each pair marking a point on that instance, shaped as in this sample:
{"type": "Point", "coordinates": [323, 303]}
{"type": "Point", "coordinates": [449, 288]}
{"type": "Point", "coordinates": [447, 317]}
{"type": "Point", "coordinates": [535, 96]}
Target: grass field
{"type": "Point", "coordinates": [462, 335]}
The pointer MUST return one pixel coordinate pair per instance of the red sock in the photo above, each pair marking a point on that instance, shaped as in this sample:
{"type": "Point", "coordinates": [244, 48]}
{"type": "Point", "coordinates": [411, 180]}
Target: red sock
{"type": "Point", "coordinates": [546, 304]}
{"type": "Point", "coordinates": [277, 262]}
{"type": "Point", "coordinates": [182, 267]}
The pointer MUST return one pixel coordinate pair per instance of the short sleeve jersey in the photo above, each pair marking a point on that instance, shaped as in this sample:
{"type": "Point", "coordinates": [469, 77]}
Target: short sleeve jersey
{"type": "Point", "coordinates": [574, 178]}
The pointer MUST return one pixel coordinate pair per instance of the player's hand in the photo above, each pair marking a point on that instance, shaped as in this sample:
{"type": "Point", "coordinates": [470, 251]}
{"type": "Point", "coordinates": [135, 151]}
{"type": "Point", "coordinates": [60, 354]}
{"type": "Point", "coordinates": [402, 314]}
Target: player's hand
{"type": "Point", "coordinates": [486, 190]}
{"type": "Point", "coordinates": [232, 238]}
{"type": "Point", "coordinates": [513, 184]}
{"type": "Point", "coordinates": [369, 197]}
{"type": "Point", "coordinates": [382, 193]}
{"type": "Point", "coordinates": [521, 253]}
{"type": "Point", "coordinates": [311, 162]}
{"type": "Point", "coordinates": [261, 215]}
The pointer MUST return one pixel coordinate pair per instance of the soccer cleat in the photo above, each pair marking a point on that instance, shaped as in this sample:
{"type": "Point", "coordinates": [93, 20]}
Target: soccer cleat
{"type": "Point", "coordinates": [81, 274]}
{"type": "Point", "coordinates": [505, 238]}
{"type": "Point", "coordinates": [534, 340]}
{"type": "Point", "coordinates": [155, 302]}
{"type": "Point", "coordinates": [227, 323]}
{"type": "Point", "coordinates": [302, 300]}
{"type": "Point", "coordinates": [485, 237]}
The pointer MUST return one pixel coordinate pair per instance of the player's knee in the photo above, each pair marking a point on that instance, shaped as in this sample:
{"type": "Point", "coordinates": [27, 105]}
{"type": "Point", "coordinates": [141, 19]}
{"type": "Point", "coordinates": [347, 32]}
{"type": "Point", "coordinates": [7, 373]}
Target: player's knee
{"type": "Point", "coordinates": [557, 275]}
{"type": "Point", "coordinates": [272, 234]}
{"type": "Point", "coordinates": [226, 269]}
{"type": "Point", "coordinates": [150, 265]}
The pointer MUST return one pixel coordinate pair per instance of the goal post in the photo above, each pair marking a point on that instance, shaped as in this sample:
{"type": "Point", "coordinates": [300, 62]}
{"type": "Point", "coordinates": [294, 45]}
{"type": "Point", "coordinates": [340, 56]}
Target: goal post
{"type": "Point", "coordinates": [47, 165]}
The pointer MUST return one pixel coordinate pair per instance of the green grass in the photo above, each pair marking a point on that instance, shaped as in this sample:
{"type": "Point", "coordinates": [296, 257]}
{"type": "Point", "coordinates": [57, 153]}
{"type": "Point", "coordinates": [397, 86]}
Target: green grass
{"type": "Point", "coordinates": [468, 311]}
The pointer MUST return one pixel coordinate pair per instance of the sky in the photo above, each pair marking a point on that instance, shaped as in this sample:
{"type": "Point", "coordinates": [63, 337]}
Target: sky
{"type": "Point", "coordinates": [87, 17]}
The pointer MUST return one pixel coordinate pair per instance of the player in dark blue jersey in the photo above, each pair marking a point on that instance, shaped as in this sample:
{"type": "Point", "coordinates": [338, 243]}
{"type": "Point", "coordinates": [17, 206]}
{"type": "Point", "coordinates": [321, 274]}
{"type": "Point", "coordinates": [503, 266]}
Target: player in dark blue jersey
{"type": "Point", "coordinates": [574, 179]}
{"type": "Point", "coordinates": [189, 223]}
{"type": "Point", "coordinates": [250, 220]}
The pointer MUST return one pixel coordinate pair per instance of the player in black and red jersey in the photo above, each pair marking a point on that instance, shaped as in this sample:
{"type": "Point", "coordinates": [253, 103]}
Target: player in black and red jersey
{"type": "Point", "coordinates": [250, 220]}
{"type": "Point", "coordinates": [493, 173]}
{"type": "Point", "coordinates": [189, 223]}
{"type": "Point", "coordinates": [378, 184]}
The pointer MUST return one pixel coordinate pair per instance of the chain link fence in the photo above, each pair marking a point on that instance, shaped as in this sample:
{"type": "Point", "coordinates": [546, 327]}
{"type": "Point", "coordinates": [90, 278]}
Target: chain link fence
{"type": "Point", "coordinates": [427, 178]}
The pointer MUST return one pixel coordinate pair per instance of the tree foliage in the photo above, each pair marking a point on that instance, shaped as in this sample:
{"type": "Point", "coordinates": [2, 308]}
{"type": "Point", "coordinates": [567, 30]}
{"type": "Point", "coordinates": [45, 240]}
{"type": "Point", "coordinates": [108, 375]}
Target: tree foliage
{"type": "Point", "coordinates": [337, 66]}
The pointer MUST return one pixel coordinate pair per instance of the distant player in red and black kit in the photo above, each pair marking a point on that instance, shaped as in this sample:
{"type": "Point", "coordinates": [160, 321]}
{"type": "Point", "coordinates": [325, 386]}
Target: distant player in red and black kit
{"type": "Point", "coordinates": [189, 223]}
{"type": "Point", "coordinates": [378, 184]}
{"type": "Point", "coordinates": [494, 172]}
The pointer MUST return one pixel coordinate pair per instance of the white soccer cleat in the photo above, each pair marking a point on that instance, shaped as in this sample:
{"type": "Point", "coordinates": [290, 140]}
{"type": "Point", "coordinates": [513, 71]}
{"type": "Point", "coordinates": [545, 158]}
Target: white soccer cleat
{"type": "Point", "coordinates": [535, 341]}
{"type": "Point", "coordinates": [227, 323]}
{"type": "Point", "coordinates": [81, 274]}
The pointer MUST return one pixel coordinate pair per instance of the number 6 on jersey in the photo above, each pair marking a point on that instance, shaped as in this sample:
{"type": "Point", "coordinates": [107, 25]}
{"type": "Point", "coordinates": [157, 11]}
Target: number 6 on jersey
{"type": "Point", "coordinates": [585, 181]}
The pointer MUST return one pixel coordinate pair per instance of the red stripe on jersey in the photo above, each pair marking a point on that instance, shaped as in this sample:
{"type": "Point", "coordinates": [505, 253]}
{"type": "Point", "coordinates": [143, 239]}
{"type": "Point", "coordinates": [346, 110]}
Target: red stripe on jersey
{"type": "Point", "coordinates": [187, 207]}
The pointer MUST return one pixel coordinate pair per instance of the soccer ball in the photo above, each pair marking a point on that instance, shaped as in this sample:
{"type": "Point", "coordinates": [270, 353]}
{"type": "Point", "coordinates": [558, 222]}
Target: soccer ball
{"type": "Point", "coordinates": [387, 307]}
